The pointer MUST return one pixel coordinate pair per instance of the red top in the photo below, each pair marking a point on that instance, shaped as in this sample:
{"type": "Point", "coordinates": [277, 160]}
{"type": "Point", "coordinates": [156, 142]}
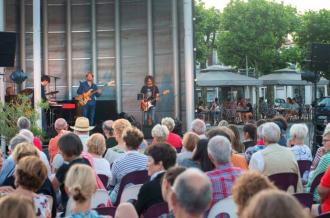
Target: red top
{"type": "Point", "coordinates": [37, 143]}
{"type": "Point", "coordinates": [325, 181]}
{"type": "Point", "coordinates": [174, 140]}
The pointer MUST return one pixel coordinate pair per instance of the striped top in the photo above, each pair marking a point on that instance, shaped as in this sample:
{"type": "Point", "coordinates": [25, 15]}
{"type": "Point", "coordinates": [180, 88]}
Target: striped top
{"type": "Point", "coordinates": [321, 168]}
{"type": "Point", "coordinates": [130, 162]}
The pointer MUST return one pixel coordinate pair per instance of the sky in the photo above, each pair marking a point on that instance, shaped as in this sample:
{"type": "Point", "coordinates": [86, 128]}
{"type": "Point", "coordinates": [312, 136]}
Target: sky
{"type": "Point", "coordinates": [301, 5]}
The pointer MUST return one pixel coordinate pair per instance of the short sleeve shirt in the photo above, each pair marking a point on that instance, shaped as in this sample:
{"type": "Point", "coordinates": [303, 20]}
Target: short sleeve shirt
{"type": "Point", "coordinates": [325, 181]}
{"type": "Point", "coordinates": [150, 93]}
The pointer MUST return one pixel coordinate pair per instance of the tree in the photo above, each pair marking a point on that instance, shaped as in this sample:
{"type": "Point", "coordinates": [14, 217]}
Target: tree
{"type": "Point", "coordinates": [255, 30]}
{"type": "Point", "coordinates": [207, 26]}
{"type": "Point", "coordinates": [314, 28]}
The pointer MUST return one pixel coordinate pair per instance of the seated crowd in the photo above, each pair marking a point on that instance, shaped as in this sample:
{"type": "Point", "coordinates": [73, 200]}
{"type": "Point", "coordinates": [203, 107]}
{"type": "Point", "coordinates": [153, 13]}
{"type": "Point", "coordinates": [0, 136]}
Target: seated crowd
{"type": "Point", "coordinates": [205, 173]}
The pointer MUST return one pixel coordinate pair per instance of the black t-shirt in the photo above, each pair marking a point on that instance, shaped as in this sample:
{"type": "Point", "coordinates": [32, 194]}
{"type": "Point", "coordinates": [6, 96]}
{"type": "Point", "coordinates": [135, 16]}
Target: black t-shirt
{"type": "Point", "coordinates": [150, 93]}
{"type": "Point", "coordinates": [60, 176]}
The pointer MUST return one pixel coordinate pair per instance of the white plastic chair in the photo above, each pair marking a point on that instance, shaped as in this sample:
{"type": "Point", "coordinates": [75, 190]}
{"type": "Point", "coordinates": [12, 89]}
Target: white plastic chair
{"type": "Point", "coordinates": [226, 205]}
{"type": "Point", "coordinates": [130, 192]}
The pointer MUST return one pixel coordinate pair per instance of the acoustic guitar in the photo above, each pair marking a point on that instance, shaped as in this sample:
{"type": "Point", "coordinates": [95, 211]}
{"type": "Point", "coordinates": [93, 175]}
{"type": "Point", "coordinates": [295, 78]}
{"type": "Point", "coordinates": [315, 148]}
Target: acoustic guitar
{"type": "Point", "coordinates": [84, 98]}
{"type": "Point", "coordinates": [146, 104]}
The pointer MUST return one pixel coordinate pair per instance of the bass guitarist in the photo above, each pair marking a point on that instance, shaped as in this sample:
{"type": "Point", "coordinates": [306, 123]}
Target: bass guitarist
{"type": "Point", "coordinates": [150, 97]}
{"type": "Point", "coordinates": [88, 110]}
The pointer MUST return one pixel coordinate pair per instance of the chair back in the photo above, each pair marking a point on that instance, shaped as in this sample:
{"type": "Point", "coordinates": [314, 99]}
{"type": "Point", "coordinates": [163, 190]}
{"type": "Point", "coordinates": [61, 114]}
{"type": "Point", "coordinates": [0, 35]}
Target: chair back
{"type": "Point", "coordinates": [324, 215]}
{"type": "Point", "coordinates": [284, 180]}
{"type": "Point", "coordinates": [104, 179]}
{"type": "Point", "coordinates": [224, 206]}
{"type": "Point", "coordinates": [156, 210]}
{"type": "Point", "coordinates": [100, 199]}
{"type": "Point", "coordinates": [316, 183]}
{"type": "Point", "coordinates": [106, 211]}
{"type": "Point", "coordinates": [304, 165]}
{"type": "Point", "coordinates": [305, 199]}
{"type": "Point", "coordinates": [136, 177]}
{"type": "Point", "coordinates": [130, 192]}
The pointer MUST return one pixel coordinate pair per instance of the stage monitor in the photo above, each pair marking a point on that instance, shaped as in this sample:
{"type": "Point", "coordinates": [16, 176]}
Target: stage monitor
{"type": "Point", "coordinates": [7, 49]}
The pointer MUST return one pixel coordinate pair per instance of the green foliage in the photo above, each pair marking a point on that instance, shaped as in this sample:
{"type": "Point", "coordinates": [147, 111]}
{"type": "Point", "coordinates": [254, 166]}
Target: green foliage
{"type": "Point", "coordinates": [256, 29]}
{"type": "Point", "coordinates": [207, 26]}
{"type": "Point", "coordinates": [10, 113]}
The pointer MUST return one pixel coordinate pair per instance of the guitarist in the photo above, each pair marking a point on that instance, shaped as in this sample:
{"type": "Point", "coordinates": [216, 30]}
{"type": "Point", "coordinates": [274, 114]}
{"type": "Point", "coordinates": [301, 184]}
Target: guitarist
{"type": "Point", "coordinates": [150, 93]}
{"type": "Point", "coordinates": [88, 110]}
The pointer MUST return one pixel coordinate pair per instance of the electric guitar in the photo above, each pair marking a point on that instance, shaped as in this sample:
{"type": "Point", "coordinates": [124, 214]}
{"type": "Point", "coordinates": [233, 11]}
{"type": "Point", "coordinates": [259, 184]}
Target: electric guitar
{"type": "Point", "coordinates": [145, 104]}
{"type": "Point", "coordinates": [84, 98]}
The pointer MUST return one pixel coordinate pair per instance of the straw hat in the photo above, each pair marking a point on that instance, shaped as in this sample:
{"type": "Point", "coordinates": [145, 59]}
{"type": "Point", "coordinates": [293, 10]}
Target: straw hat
{"type": "Point", "coordinates": [82, 124]}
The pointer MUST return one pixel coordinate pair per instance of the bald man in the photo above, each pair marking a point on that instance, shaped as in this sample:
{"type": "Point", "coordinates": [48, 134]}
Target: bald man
{"type": "Point", "coordinates": [108, 133]}
{"type": "Point", "coordinates": [61, 127]}
{"type": "Point", "coordinates": [191, 195]}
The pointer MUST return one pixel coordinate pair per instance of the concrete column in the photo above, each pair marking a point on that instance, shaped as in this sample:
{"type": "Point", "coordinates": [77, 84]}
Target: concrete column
{"type": "Point", "coordinates": [289, 91]}
{"type": "Point", "coordinates": [175, 46]}
{"type": "Point", "coordinates": [2, 84]}
{"type": "Point", "coordinates": [69, 47]}
{"type": "Point", "coordinates": [37, 56]}
{"type": "Point", "coordinates": [150, 40]}
{"type": "Point", "coordinates": [94, 40]}
{"type": "Point", "coordinates": [45, 35]}
{"type": "Point", "coordinates": [254, 96]}
{"type": "Point", "coordinates": [246, 92]}
{"type": "Point", "coordinates": [118, 57]}
{"type": "Point", "coordinates": [308, 94]}
{"type": "Point", "coordinates": [189, 60]}
{"type": "Point", "coordinates": [22, 38]}
{"type": "Point", "coordinates": [325, 90]}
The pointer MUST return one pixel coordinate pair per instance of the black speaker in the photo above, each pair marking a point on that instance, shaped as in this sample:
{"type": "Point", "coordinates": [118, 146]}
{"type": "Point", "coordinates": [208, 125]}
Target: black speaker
{"type": "Point", "coordinates": [320, 60]}
{"type": "Point", "coordinates": [105, 110]}
{"type": "Point", "coordinates": [7, 49]}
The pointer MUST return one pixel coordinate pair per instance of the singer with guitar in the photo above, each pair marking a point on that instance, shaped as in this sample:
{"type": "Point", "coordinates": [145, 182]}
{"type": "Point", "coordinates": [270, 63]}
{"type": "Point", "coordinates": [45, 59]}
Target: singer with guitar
{"type": "Point", "coordinates": [88, 110]}
{"type": "Point", "coordinates": [150, 97]}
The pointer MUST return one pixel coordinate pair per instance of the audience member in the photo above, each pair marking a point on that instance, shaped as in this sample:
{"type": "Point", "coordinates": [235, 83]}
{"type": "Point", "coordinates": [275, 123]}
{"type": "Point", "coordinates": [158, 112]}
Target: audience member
{"type": "Point", "coordinates": [298, 132]}
{"type": "Point", "coordinates": [190, 140]}
{"type": "Point", "coordinates": [198, 126]}
{"type": "Point", "coordinates": [322, 166]}
{"type": "Point", "coordinates": [274, 158]}
{"type": "Point", "coordinates": [224, 175]}
{"type": "Point", "coordinates": [324, 191]}
{"type": "Point", "coordinates": [61, 127]}
{"type": "Point", "coordinates": [274, 204]}
{"type": "Point", "coordinates": [117, 151]}
{"type": "Point", "coordinates": [96, 147]}
{"type": "Point", "coordinates": [30, 174]}
{"type": "Point", "coordinates": [248, 185]}
{"type": "Point", "coordinates": [236, 159]}
{"type": "Point", "coordinates": [260, 144]}
{"type": "Point", "coordinates": [159, 134]}
{"type": "Point", "coordinates": [70, 147]}
{"type": "Point", "coordinates": [16, 206]}
{"type": "Point", "coordinates": [223, 123]}
{"type": "Point", "coordinates": [200, 158]}
{"type": "Point", "coordinates": [191, 195]}
{"type": "Point", "coordinates": [130, 162]}
{"type": "Point", "coordinates": [24, 123]}
{"type": "Point", "coordinates": [160, 158]}
{"type": "Point", "coordinates": [81, 128]}
{"type": "Point", "coordinates": [236, 141]}
{"type": "Point", "coordinates": [249, 135]}
{"type": "Point", "coordinates": [283, 125]}
{"type": "Point", "coordinates": [108, 133]}
{"type": "Point", "coordinates": [172, 138]}
{"type": "Point", "coordinates": [8, 167]}
{"type": "Point", "coordinates": [81, 185]}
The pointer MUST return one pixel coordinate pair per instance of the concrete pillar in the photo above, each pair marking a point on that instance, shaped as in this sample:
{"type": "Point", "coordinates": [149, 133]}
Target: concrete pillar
{"type": "Point", "coordinates": [308, 94]}
{"type": "Point", "coordinates": [37, 56]}
{"type": "Point", "coordinates": [69, 47]}
{"type": "Point", "coordinates": [175, 46]}
{"type": "Point", "coordinates": [45, 35]}
{"type": "Point", "coordinates": [118, 57]}
{"type": "Point", "coordinates": [189, 60]}
{"type": "Point", "coordinates": [94, 40]}
{"type": "Point", "coordinates": [150, 40]}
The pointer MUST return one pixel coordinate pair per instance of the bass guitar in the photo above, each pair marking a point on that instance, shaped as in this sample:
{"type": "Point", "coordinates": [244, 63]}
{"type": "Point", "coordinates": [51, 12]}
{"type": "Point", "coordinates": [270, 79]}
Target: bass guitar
{"type": "Point", "coordinates": [146, 104]}
{"type": "Point", "coordinates": [84, 98]}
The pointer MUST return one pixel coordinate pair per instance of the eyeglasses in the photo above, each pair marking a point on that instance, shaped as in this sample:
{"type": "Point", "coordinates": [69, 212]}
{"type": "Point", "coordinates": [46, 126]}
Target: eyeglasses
{"type": "Point", "coordinates": [325, 141]}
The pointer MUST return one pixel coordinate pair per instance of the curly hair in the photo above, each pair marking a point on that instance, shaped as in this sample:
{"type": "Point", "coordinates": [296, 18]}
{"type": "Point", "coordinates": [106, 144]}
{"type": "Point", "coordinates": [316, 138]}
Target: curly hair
{"type": "Point", "coordinates": [96, 144]}
{"type": "Point", "coordinates": [30, 173]}
{"type": "Point", "coordinates": [24, 149]}
{"type": "Point", "coordinates": [119, 126]}
{"type": "Point", "coordinates": [246, 186]}
{"type": "Point", "coordinates": [133, 137]}
{"type": "Point", "coordinates": [162, 152]}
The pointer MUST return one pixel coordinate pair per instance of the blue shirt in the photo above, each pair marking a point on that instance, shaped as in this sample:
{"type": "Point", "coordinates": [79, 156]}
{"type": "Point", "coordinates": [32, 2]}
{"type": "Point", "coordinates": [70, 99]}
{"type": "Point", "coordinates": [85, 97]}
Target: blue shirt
{"type": "Point", "coordinates": [84, 87]}
{"type": "Point", "coordinates": [8, 169]}
{"type": "Point", "coordinates": [88, 214]}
